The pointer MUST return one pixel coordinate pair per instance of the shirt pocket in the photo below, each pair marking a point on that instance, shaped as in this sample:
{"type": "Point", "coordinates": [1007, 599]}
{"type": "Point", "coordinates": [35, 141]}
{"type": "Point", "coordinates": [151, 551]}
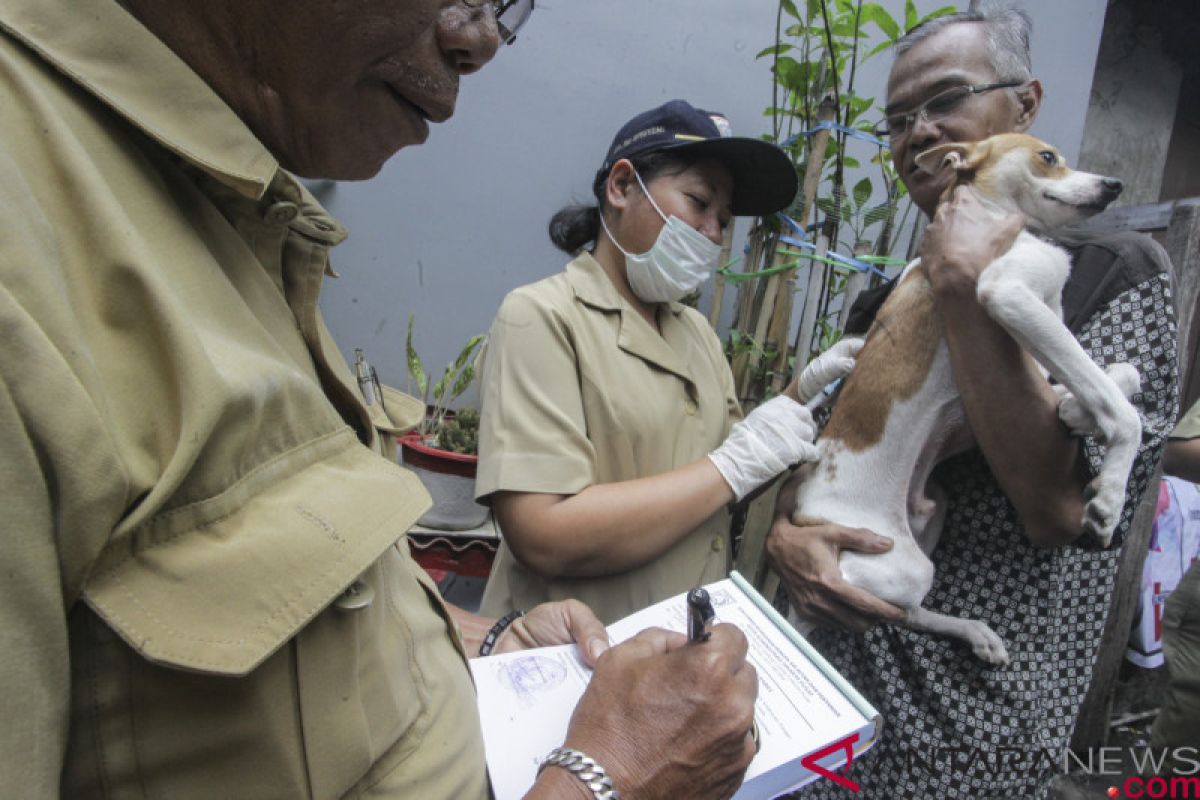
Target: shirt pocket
{"type": "Point", "coordinates": [218, 585]}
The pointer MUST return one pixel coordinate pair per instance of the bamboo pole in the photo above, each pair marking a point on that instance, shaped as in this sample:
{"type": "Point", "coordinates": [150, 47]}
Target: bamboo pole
{"type": "Point", "coordinates": [743, 363]}
{"type": "Point", "coordinates": [854, 285]}
{"type": "Point", "coordinates": [718, 295]}
{"type": "Point", "coordinates": [812, 300]}
{"type": "Point", "coordinates": [781, 313]}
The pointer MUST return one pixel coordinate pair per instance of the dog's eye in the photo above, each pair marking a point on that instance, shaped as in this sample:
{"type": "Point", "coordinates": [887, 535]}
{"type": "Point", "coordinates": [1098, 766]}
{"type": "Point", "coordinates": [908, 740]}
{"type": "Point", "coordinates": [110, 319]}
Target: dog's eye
{"type": "Point", "coordinates": [1049, 157]}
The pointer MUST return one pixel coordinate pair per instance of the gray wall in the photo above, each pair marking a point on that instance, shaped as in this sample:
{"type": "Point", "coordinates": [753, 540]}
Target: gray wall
{"type": "Point", "coordinates": [448, 228]}
{"type": "Point", "coordinates": [1134, 98]}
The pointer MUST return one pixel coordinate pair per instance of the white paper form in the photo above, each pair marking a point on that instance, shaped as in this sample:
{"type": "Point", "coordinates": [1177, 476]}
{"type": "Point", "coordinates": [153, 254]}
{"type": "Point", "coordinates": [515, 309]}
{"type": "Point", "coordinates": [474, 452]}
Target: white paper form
{"type": "Point", "coordinates": [798, 708]}
{"type": "Point", "coordinates": [526, 699]}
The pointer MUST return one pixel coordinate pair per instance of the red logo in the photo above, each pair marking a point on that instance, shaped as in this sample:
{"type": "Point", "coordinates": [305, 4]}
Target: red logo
{"type": "Point", "coordinates": [847, 744]}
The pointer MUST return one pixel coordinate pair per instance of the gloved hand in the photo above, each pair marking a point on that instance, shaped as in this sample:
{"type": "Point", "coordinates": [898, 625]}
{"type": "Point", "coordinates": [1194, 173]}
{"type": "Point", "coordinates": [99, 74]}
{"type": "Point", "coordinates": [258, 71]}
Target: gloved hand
{"type": "Point", "coordinates": [770, 439]}
{"type": "Point", "coordinates": [834, 363]}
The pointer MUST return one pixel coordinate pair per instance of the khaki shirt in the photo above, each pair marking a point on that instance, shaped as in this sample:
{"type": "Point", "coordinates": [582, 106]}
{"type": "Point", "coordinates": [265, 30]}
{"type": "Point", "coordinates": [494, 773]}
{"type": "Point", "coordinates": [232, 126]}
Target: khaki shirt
{"type": "Point", "coordinates": [578, 389]}
{"type": "Point", "coordinates": [183, 475]}
{"type": "Point", "coordinates": [1188, 426]}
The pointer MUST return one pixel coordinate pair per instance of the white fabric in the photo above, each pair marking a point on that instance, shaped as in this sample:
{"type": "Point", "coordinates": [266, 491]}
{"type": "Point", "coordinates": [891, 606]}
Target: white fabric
{"type": "Point", "coordinates": [774, 436]}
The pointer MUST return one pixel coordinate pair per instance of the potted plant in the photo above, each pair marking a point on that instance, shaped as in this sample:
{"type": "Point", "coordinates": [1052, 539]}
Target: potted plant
{"type": "Point", "coordinates": [442, 450]}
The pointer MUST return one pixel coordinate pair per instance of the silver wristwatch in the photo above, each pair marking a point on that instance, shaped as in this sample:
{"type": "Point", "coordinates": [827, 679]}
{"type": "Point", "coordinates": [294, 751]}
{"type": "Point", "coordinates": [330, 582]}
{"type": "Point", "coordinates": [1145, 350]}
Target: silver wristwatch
{"type": "Point", "coordinates": [585, 768]}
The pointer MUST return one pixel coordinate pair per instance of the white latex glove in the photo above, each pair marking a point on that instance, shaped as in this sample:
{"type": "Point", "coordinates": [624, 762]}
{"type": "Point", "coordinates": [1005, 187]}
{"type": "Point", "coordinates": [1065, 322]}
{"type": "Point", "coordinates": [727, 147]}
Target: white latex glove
{"type": "Point", "coordinates": [834, 363]}
{"type": "Point", "coordinates": [770, 439]}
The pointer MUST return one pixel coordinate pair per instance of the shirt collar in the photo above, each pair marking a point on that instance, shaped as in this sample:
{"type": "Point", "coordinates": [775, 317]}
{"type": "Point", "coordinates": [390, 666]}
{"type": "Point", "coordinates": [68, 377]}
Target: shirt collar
{"type": "Point", "coordinates": [592, 285]}
{"type": "Point", "coordinates": [635, 336]}
{"type": "Point", "coordinates": [104, 49]}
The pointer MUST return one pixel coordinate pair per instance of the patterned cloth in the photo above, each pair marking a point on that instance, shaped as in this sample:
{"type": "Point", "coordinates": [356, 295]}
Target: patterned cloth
{"type": "Point", "coordinates": [953, 727]}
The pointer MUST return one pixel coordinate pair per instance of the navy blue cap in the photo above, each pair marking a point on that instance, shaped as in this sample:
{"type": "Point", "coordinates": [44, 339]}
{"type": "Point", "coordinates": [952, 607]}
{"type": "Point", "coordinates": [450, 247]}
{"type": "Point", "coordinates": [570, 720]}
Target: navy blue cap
{"type": "Point", "coordinates": [764, 180]}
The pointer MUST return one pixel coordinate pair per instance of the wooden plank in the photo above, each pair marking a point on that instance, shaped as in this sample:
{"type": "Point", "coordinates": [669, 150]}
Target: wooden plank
{"type": "Point", "coordinates": [1150, 217]}
{"type": "Point", "coordinates": [1091, 726]}
{"type": "Point", "coordinates": [1183, 246]}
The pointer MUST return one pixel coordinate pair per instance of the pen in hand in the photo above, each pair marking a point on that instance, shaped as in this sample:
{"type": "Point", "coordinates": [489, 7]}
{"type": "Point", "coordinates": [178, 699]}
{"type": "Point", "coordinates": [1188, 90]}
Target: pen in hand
{"type": "Point", "coordinates": [700, 614]}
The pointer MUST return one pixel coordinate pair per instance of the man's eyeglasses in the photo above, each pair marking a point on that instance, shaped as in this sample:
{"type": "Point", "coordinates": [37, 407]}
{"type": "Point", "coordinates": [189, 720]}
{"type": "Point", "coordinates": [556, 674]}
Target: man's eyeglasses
{"type": "Point", "coordinates": [940, 106]}
{"type": "Point", "coordinates": [510, 15]}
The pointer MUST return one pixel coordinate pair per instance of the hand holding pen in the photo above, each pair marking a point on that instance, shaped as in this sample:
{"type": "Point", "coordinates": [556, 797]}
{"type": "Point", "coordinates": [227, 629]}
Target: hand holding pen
{"type": "Point", "coordinates": [700, 619]}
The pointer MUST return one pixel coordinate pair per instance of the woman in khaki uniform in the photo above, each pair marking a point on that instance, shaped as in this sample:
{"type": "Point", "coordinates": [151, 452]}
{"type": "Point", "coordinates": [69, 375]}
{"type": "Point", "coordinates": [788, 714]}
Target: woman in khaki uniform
{"type": "Point", "coordinates": [609, 450]}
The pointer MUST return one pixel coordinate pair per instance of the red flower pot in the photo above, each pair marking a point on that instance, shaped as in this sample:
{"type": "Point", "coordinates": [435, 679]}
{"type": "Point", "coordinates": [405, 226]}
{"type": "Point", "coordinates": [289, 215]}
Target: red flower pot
{"type": "Point", "coordinates": [450, 480]}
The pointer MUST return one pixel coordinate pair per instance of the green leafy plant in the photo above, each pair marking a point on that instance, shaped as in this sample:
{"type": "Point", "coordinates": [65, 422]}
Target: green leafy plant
{"type": "Point", "coordinates": [443, 428]}
{"type": "Point", "coordinates": [824, 123]}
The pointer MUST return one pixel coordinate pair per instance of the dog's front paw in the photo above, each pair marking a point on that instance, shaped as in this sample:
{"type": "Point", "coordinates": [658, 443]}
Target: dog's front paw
{"type": "Point", "coordinates": [986, 643]}
{"type": "Point", "coordinates": [1071, 412]}
{"type": "Point", "coordinates": [1103, 510]}
{"type": "Point", "coordinates": [1080, 420]}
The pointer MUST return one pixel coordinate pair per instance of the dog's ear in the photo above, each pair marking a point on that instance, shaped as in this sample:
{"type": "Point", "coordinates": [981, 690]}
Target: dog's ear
{"type": "Point", "coordinates": [959, 156]}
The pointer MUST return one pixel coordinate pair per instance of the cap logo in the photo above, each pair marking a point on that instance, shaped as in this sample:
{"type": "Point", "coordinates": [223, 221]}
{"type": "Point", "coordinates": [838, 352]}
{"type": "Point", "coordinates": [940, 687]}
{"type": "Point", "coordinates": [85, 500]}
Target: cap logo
{"type": "Point", "coordinates": [642, 134]}
{"type": "Point", "coordinates": [689, 138]}
{"type": "Point", "coordinates": [722, 124]}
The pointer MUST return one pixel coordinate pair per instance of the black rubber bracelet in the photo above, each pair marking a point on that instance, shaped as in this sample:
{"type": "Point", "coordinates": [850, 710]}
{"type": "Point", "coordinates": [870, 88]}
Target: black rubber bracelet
{"type": "Point", "coordinates": [500, 627]}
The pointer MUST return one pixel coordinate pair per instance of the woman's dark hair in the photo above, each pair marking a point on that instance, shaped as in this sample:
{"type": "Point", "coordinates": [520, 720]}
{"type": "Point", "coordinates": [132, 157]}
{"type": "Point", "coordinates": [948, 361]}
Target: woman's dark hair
{"type": "Point", "coordinates": [577, 225]}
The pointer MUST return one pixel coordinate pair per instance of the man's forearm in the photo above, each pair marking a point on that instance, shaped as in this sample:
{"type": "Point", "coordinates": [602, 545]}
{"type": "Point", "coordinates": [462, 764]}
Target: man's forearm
{"type": "Point", "coordinates": [473, 627]}
{"type": "Point", "coordinates": [1012, 411]}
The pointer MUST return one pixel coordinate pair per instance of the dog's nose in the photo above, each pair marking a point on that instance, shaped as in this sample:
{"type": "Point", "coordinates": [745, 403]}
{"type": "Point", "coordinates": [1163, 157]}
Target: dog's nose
{"type": "Point", "coordinates": [1112, 187]}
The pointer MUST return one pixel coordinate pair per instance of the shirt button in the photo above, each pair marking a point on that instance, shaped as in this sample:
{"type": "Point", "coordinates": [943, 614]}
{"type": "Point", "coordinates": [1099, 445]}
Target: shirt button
{"type": "Point", "coordinates": [718, 544]}
{"type": "Point", "coordinates": [357, 595]}
{"type": "Point", "coordinates": [280, 213]}
{"type": "Point", "coordinates": [690, 407]}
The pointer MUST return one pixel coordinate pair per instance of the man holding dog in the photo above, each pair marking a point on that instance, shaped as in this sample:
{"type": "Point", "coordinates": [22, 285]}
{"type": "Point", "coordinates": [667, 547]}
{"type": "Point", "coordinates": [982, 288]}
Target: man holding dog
{"type": "Point", "coordinates": [204, 587]}
{"type": "Point", "coordinates": [1010, 552]}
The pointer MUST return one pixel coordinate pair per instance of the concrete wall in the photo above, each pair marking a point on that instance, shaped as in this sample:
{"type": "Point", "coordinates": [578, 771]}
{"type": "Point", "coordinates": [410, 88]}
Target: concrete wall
{"type": "Point", "coordinates": [1133, 109]}
{"type": "Point", "coordinates": [448, 228]}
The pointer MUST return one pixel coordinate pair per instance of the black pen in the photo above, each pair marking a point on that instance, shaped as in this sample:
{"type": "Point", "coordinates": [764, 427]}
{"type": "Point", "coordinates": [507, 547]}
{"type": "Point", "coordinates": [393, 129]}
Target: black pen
{"type": "Point", "coordinates": [700, 614]}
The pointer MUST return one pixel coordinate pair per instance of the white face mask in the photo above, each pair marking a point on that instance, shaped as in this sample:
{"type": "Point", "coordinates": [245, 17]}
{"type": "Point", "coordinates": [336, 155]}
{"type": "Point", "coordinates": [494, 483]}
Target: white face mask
{"type": "Point", "coordinates": [680, 261]}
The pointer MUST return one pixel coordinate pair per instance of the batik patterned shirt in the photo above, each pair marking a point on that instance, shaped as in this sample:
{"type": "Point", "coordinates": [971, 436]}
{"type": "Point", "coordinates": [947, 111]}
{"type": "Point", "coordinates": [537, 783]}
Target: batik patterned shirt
{"type": "Point", "coordinates": [954, 726]}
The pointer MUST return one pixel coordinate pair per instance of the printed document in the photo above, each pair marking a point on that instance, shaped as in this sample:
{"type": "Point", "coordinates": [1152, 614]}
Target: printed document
{"type": "Point", "coordinates": [804, 706]}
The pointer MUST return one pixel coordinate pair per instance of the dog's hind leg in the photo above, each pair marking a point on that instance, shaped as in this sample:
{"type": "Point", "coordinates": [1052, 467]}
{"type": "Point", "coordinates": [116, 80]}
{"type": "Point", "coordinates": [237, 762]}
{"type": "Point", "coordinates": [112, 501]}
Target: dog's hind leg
{"type": "Point", "coordinates": [1039, 330]}
{"type": "Point", "coordinates": [985, 643]}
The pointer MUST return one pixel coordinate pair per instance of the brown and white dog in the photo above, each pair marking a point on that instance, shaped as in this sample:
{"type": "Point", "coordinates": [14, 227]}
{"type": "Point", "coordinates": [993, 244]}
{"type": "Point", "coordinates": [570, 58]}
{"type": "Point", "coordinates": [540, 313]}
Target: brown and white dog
{"type": "Point", "coordinates": [899, 413]}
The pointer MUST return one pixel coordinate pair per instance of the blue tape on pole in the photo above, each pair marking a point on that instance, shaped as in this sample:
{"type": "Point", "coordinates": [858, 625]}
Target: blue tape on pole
{"type": "Point", "coordinates": [791, 222]}
{"type": "Point", "coordinates": [830, 125]}
{"type": "Point", "coordinates": [853, 263]}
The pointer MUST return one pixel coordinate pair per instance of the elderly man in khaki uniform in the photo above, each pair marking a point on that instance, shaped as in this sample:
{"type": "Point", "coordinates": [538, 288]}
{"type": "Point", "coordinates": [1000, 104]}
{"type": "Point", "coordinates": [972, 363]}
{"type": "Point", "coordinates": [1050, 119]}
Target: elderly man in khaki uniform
{"type": "Point", "coordinates": [201, 594]}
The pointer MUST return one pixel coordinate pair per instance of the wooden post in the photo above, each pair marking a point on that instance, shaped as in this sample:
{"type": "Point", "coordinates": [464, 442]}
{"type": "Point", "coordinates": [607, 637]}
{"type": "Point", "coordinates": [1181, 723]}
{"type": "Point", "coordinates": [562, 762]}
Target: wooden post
{"type": "Point", "coordinates": [718, 295]}
{"type": "Point", "coordinates": [1091, 727]}
{"type": "Point", "coordinates": [1183, 246]}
